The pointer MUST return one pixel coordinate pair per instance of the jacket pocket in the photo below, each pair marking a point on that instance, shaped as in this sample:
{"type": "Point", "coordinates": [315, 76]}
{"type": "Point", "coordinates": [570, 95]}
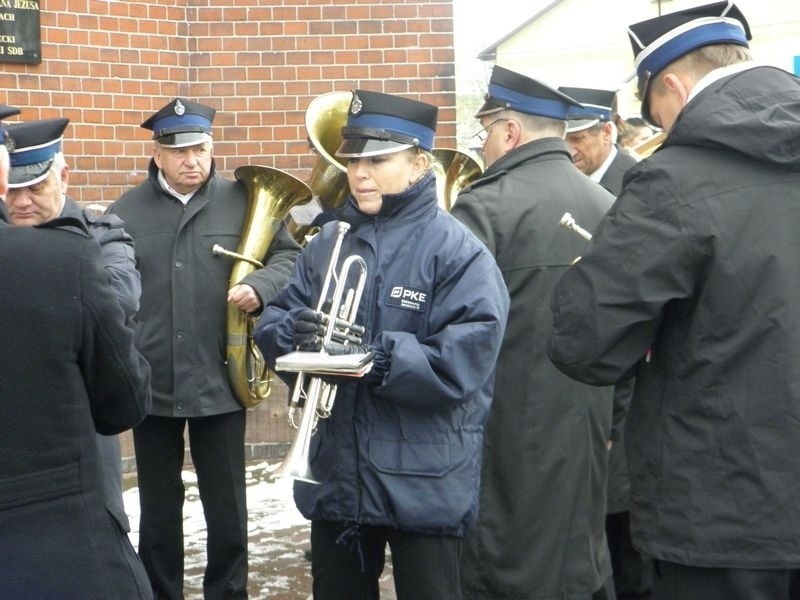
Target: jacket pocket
{"type": "Point", "coordinates": [402, 457]}
{"type": "Point", "coordinates": [42, 485]}
{"type": "Point", "coordinates": [428, 487]}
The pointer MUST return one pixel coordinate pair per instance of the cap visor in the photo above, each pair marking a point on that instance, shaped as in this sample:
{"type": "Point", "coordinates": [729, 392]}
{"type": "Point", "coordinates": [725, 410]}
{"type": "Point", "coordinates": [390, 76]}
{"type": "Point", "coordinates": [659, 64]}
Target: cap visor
{"type": "Point", "coordinates": [8, 111]}
{"type": "Point", "coordinates": [575, 125]}
{"type": "Point", "coordinates": [24, 176]}
{"type": "Point", "coordinates": [355, 147]}
{"type": "Point", "coordinates": [488, 108]}
{"type": "Point", "coordinates": [181, 140]}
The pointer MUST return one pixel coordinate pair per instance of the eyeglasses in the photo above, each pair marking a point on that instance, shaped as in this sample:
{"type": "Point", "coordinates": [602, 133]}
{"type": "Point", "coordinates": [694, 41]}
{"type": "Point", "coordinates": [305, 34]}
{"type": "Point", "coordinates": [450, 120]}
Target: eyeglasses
{"type": "Point", "coordinates": [480, 138]}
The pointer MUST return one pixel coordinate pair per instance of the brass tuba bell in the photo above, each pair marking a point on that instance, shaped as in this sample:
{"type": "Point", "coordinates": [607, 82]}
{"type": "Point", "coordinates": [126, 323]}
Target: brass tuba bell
{"type": "Point", "coordinates": [458, 170]}
{"type": "Point", "coordinates": [271, 193]}
{"type": "Point", "coordinates": [325, 117]}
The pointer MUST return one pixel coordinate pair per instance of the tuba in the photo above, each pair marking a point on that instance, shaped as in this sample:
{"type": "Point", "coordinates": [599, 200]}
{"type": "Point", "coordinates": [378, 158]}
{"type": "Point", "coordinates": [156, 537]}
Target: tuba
{"type": "Point", "coordinates": [313, 395]}
{"type": "Point", "coordinates": [458, 170]}
{"type": "Point", "coordinates": [325, 117]}
{"type": "Point", "coordinates": [271, 193]}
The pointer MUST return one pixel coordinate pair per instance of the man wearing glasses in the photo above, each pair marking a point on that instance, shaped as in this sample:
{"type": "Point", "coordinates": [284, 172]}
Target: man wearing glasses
{"type": "Point", "coordinates": [540, 529]}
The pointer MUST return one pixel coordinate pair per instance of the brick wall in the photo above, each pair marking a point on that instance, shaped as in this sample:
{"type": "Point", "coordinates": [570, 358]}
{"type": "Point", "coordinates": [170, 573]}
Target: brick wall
{"type": "Point", "coordinates": [107, 65]}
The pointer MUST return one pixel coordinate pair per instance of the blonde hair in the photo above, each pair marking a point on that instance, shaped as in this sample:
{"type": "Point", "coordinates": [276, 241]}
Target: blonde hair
{"type": "Point", "coordinates": [699, 63]}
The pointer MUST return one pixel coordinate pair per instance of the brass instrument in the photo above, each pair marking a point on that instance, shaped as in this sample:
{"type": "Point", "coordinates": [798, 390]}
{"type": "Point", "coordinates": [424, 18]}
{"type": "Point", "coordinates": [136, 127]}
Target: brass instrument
{"type": "Point", "coordinates": [271, 193]}
{"type": "Point", "coordinates": [314, 396]}
{"type": "Point", "coordinates": [325, 117]}
{"type": "Point", "coordinates": [458, 170]}
{"type": "Point", "coordinates": [646, 147]}
{"type": "Point", "coordinates": [568, 222]}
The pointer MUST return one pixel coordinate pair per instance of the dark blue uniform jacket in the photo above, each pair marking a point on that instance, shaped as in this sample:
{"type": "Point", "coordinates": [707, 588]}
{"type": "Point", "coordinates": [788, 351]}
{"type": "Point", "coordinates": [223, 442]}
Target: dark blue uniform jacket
{"type": "Point", "coordinates": [405, 451]}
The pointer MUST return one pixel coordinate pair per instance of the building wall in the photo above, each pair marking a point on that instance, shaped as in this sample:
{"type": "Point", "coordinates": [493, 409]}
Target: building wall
{"type": "Point", "coordinates": [575, 44]}
{"type": "Point", "coordinates": [107, 65]}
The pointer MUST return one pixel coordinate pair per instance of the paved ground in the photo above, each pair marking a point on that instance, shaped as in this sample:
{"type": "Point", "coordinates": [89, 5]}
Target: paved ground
{"type": "Point", "coordinates": [278, 538]}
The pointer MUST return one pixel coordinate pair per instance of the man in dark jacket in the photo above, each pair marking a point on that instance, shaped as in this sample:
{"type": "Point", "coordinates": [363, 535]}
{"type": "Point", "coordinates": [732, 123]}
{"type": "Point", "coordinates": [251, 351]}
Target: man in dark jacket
{"type": "Point", "coordinates": [68, 368]}
{"type": "Point", "coordinates": [691, 282]}
{"type": "Point", "coordinates": [176, 217]}
{"type": "Point", "coordinates": [540, 531]}
{"type": "Point", "coordinates": [36, 194]}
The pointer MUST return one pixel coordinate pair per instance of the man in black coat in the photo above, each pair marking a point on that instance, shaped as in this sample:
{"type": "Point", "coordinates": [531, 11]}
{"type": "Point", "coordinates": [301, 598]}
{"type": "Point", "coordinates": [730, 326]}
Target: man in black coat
{"type": "Point", "coordinates": [540, 527]}
{"type": "Point", "coordinates": [690, 283]}
{"type": "Point", "coordinates": [592, 137]}
{"type": "Point", "coordinates": [176, 218]}
{"type": "Point", "coordinates": [68, 369]}
{"type": "Point", "coordinates": [37, 186]}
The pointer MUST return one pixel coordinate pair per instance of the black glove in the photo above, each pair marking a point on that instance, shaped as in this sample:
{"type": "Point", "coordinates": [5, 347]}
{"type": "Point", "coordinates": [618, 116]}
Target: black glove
{"type": "Point", "coordinates": [380, 361]}
{"type": "Point", "coordinates": [333, 349]}
{"type": "Point", "coordinates": [308, 330]}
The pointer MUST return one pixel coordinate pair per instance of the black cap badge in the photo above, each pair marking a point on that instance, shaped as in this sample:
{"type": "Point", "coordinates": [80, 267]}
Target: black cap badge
{"type": "Point", "coordinates": [356, 106]}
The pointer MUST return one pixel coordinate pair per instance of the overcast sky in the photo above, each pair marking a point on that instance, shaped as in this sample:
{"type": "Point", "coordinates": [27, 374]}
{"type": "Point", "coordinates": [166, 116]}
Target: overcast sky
{"type": "Point", "coordinates": [476, 28]}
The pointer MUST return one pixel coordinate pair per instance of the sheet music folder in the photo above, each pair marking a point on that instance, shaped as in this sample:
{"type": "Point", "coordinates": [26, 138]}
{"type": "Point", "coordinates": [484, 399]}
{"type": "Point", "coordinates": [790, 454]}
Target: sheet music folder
{"type": "Point", "coordinates": [321, 363]}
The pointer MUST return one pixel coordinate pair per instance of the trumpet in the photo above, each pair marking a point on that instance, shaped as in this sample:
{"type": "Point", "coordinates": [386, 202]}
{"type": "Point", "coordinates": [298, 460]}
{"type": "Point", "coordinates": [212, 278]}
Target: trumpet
{"type": "Point", "coordinates": [568, 222]}
{"type": "Point", "coordinates": [311, 395]}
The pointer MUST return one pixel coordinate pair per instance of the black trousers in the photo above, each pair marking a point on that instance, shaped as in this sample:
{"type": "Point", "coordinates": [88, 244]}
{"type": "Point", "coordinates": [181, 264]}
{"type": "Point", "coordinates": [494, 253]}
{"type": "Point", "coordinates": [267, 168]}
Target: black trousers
{"type": "Point", "coordinates": [633, 576]}
{"type": "Point", "coordinates": [679, 582]}
{"type": "Point", "coordinates": [346, 562]}
{"type": "Point", "coordinates": [217, 448]}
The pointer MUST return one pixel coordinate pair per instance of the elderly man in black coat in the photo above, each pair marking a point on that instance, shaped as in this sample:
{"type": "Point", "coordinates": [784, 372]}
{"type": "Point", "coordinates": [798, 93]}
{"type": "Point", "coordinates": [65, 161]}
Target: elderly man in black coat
{"type": "Point", "coordinates": [68, 369]}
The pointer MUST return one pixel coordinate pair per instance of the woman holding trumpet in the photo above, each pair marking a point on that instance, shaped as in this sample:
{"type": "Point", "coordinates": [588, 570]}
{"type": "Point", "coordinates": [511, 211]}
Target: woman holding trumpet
{"type": "Point", "coordinates": [397, 460]}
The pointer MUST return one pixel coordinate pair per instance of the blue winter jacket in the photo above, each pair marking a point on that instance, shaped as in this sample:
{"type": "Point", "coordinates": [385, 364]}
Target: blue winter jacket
{"type": "Point", "coordinates": [403, 451]}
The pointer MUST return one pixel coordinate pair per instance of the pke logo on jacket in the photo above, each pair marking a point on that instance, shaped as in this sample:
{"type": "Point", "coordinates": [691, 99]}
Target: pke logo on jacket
{"type": "Point", "coordinates": [401, 296]}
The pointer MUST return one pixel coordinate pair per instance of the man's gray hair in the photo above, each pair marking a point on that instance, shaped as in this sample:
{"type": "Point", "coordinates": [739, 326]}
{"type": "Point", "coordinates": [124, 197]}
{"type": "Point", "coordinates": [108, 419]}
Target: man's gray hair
{"type": "Point", "coordinates": [543, 126]}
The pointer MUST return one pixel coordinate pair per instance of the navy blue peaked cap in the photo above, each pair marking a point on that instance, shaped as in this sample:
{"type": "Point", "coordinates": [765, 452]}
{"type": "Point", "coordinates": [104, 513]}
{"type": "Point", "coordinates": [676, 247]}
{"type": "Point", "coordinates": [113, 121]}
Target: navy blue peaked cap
{"type": "Point", "coordinates": [380, 123]}
{"type": "Point", "coordinates": [596, 105]}
{"type": "Point", "coordinates": [662, 40]}
{"type": "Point", "coordinates": [512, 91]}
{"type": "Point", "coordinates": [35, 144]}
{"type": "Point", "coordinates": [180, 123]}
{"type": "Point", "coordinates": [7, 111]}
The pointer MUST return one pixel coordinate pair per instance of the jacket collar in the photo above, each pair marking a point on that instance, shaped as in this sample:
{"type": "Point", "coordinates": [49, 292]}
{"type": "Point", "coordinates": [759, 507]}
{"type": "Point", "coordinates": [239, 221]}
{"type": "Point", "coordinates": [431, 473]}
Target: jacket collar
{"type": "Point", "coordinates": [531, 151]}
{"type": "Point", "coordinates": [396, 208]}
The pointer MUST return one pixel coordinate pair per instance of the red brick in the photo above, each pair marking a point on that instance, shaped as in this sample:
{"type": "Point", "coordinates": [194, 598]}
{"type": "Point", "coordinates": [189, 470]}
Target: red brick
{"type": "Point", "coordinates": [109, 65]}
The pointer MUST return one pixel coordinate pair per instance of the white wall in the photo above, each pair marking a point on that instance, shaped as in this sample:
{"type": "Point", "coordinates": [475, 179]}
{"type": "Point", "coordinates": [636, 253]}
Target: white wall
{"type": "Point", "coordinates": [584, 43]}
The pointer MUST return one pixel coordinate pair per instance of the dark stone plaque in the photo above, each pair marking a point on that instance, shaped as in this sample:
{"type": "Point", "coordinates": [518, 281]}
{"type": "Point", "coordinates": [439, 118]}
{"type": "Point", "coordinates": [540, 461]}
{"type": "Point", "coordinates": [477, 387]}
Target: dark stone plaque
{"type": "Point", "coordinates": [20, 34]}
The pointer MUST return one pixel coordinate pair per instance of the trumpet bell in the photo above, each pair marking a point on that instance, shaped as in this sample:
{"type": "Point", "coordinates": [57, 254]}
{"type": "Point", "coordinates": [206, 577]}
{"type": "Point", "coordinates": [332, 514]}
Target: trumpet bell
{"type": "Point", "coordinates": [296, 464]}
